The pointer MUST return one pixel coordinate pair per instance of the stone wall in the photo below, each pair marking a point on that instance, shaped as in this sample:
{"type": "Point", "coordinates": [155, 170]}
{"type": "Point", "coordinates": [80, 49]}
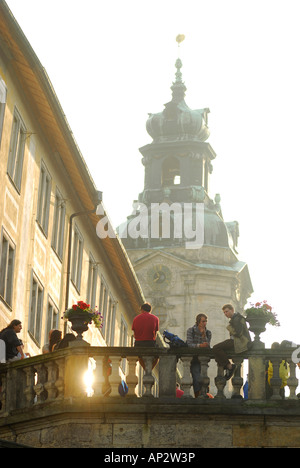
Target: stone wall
{"type": "Point", "coordinates": [44, 401]}
{"type": "Point", "coordinates": [82, 424]}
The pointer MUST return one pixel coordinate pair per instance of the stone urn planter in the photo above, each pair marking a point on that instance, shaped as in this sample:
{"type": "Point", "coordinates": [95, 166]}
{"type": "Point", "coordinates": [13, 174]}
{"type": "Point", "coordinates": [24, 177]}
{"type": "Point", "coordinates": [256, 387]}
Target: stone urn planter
{"type": "Point", "coordinates": [258, 316]}
{"type": "Point", "coordinates": [257, 325]}
{"type": "Point", "coordinates": [80, 322]}
{"type": "Point", "coordinates": [80, 315]}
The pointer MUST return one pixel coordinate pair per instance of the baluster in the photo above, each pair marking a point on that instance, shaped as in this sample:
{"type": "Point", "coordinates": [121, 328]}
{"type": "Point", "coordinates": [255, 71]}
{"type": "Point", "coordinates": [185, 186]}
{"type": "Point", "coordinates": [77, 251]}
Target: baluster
{"type": "Point", "coordinates": [99, 376]}
{"type": "Point", "coordinates": [292, 381]}
{"type": "Point", "coordinates": [60, 381]}
{"type": "Point", "coordinates": [204, 379]}
{"type": "Point", "coordinates": [276, 381]}
{"type": "Point", "coordinates": [3, 383]}
{"type": "Point", "coordinates": [237, 379]}
{"type": "Point", "coordinates": [131, 378]}
{"type": "Point", "coordinates": [186, 381]}
{"type": "Point", "coordinates": [29, 392]}
{"type": "Point", "coordinates": [52, 377]}
{"type": "Point", "coordinates": [11, 391]}
{"type": "Point", "coordinates": [148, 379]}
{"type": "Point", "coordinates": [220, 382]}
{"type": "Point", "coordinates": [114, 379]}
{"type": "Point", "coordinates": [39, 387]}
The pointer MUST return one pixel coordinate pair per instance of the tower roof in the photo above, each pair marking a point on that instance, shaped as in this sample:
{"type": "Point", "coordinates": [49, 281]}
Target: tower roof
{"type": "Point", "coordinates": [177, 121]}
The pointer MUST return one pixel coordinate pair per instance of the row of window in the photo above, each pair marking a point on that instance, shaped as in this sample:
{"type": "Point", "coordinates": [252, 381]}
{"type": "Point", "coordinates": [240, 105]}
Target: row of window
{"type": "Point", "coordinates": [36, 292]}
{"type": "Point", "coordinates": [14, 170]}
{"type": "Point", "coordinates": [7, 264]}
{"type": "Point", "coordinates": [17, 140]}
{"type": "Point", "coordinates": [107, 305]}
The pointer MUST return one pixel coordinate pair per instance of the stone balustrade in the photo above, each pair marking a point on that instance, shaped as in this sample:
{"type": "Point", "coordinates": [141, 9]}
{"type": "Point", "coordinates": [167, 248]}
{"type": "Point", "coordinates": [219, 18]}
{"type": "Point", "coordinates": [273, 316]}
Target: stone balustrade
{"type": "Point", "coordinates": [56, 377]}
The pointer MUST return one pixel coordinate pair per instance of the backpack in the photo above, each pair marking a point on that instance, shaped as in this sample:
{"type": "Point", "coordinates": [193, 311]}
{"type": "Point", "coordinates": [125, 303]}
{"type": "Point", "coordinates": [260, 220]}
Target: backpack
{"type": "Point", "coordinates": [173, 340]}
{"type": "Point", "coordinates": [123, 388]}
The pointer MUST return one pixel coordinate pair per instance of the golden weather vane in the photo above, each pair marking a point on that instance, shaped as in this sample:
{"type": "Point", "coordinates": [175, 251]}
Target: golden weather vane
{"type": "Point", "coordinates": [180, 38]}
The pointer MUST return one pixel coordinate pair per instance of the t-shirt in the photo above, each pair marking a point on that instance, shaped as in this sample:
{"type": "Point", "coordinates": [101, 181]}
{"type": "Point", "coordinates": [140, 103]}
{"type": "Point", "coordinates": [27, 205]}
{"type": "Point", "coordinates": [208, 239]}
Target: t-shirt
{"type": "Point", "coordinates": [145, 325]}
{"type": "Point", "coordinates": [11, 340]}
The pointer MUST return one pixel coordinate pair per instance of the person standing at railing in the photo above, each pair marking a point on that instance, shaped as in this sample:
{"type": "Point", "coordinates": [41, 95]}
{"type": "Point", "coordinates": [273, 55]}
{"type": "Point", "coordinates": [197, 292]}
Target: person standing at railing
{"type": "Point", "coordinates": [239, 340]}
{"type": "Point", "coordinates": [54, 340]}
{"type": "Point", "coordinates": [14, 346]}
{"type": "Point", "coordinates": [145, 327]}
{"type": "Point", "coordinates": [198, 336]}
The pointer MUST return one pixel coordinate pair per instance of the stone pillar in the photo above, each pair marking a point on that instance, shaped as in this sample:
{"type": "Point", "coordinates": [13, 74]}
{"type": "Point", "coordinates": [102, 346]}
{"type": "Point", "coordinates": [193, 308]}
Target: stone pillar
{"type": "Point", "coordinates": [257, 380]}
{"type": "Point", "coordinates": [167, 376]}
{"type": "Point", "coordinates": [76, 365]}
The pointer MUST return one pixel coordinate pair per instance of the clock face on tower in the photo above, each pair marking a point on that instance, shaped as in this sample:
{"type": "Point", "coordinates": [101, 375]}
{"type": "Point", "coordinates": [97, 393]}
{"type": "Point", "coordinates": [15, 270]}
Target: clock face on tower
{"type": "Point", "coordinates": [159, 276]}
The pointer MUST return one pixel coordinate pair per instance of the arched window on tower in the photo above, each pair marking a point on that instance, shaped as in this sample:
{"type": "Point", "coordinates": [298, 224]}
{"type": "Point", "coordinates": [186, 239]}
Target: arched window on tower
{"type": "Point", "coordinates": [170, 172]}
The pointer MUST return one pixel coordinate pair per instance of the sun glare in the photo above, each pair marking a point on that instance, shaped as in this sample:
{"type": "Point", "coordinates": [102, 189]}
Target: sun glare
{"type": "Point", "coordinates": [89, 378]}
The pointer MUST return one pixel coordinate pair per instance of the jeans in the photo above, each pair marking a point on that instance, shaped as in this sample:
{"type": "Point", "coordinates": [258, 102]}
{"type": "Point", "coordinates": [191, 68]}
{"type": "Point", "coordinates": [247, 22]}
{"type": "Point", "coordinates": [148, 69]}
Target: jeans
{"type": "Point", "coordinates": [221, 354]}
{"type": "Point", "coordinates": [196, 375]}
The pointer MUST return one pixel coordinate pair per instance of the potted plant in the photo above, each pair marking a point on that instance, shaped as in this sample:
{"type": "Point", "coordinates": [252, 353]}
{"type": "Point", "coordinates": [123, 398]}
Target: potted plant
{"type": "Point", "coordinates": [258, 316]}
{"type": "Point", "coordinates": [80, 315]}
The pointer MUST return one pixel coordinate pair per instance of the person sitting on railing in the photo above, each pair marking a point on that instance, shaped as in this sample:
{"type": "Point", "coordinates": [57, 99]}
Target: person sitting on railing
{"type": "Point", "coordinates": [198, 336]}
{"type": "Point", "coordinates": [14, 346]}
{"type": "Point", "coordinates": [239, 340]}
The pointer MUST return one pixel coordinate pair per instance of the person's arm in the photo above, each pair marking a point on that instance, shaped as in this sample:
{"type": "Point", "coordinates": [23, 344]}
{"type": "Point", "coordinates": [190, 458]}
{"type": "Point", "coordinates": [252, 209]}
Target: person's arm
{"type": "Point", "coordinates": [190, 338]}
{"type": "Point", "coordinates": [235, 326]}
{"type": "Point", "coordinates": [208, 337]}
{"type": "Point", "coordinates": [14, 341]}
{"type": "Point", "coordinates": [132, 328]}
{"type": "Point", "coordinates": [20, 350]}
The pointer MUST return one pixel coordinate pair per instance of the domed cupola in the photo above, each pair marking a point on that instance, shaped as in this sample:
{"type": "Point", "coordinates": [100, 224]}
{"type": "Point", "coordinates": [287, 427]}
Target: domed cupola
{"type": "Point", "coordinates": [177, 121]}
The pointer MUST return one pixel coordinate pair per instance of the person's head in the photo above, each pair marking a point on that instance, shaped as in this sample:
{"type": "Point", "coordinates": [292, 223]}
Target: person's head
{"type": "Point", "coordinates": [55, 338]}
{"type": "Point", "coordinates": [275, 345]}
{"type": "Point", "coordinates": [146, 307]}
{"type": "Point", "coordinates": [16, 325]}
{"type": "Point", "coordinates": [201, 320]}
{"type": "Point", "coordinates": [228, 310]}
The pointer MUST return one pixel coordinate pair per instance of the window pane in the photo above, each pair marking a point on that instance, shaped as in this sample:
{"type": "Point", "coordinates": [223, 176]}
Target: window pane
{"type": "Point", "coordinates": [3, 267]}
{"type": "Point", "coordinates": [6, 270]}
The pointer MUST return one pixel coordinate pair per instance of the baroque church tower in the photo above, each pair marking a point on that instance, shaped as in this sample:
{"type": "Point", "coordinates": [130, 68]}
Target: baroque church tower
{"type": "Point", "coordinates": [180, 276]}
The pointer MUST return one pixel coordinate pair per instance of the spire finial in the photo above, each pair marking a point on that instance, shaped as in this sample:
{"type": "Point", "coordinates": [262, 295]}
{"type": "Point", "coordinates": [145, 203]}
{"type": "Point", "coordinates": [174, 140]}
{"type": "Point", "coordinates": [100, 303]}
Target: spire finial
{"type": "Point", "coordinates": [178, 87]}
{"type": "Point", "coordinates": [178, 64]}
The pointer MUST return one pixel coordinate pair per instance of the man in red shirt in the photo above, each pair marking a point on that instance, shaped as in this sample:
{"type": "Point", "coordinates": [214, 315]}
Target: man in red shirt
{"type": "Point", "coordinates": [145, 327]}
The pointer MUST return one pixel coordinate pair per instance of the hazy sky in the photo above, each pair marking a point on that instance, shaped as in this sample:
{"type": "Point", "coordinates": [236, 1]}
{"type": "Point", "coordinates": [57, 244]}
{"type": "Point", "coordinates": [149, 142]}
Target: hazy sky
{"type": "Point", "coordinates": [112, 62]}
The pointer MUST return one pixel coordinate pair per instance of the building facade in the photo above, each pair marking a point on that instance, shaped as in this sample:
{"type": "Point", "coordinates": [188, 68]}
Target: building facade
{"type": "Point", "coordinates": [50, 253]}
